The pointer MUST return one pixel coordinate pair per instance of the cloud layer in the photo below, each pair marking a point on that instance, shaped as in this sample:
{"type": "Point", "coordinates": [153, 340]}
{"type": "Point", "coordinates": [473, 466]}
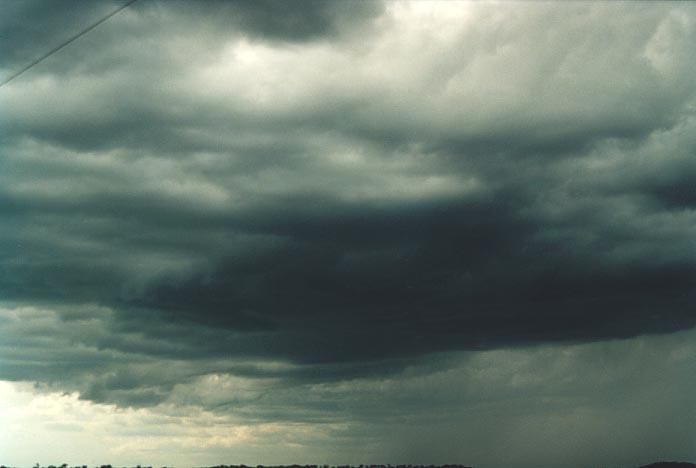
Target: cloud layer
{"type": "Point", "coordinates": [322, 192]}
{"type": "Point", "coordinates": [620, 403]}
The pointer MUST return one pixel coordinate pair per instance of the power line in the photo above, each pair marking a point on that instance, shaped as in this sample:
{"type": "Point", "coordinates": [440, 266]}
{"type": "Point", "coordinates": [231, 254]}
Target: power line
{"type": "Point", "coordinates": [73, 38]}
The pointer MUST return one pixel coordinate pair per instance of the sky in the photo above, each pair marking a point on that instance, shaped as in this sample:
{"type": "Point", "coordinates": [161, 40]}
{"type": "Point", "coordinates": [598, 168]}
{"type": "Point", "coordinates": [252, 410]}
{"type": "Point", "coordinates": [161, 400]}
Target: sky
{"type": "Point", "coordinates": [348, 232]}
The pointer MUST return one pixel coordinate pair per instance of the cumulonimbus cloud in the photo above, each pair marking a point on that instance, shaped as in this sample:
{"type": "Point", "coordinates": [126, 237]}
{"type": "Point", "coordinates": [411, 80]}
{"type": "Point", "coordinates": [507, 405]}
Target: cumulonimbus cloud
{"type": "Point", "coordinates": [338, 188]}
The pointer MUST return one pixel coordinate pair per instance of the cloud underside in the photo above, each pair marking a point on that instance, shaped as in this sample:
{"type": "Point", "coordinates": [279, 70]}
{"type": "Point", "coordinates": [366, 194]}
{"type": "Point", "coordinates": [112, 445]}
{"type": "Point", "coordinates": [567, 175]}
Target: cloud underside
{"type": "Point", "coordinates": [340, 190]}
{"type": "Point", "coordinates": [550, 406]}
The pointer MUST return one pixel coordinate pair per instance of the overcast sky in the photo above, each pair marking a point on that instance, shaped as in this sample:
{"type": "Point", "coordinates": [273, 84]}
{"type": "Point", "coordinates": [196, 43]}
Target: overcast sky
{"type": "Point", "coordinates": [348, 232]}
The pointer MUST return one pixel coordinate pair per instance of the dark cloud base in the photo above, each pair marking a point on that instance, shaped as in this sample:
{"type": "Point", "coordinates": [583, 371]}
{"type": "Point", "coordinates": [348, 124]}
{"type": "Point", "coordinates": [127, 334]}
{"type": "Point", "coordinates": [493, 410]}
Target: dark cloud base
{"type": "Point", "coordinates": [238, 180]}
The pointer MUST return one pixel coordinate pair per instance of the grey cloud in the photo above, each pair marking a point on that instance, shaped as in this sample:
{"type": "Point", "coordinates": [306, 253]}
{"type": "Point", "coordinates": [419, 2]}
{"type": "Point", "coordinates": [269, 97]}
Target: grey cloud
{"type": "Point", "coordinates": [542, 100]}
{"type": "Point", "coordinates": [29, 29]}
{"type": "Point", "coordinates": [276, 20]}
{"type": "Point", "coordinates": [346, 199]}
{"type": "Point", "coordinates": [545, 405]}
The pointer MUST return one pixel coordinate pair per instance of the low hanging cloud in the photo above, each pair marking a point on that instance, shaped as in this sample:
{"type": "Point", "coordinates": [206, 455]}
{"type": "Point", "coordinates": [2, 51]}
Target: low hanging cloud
{"type": "Point", "coordinates": [551, 405]}
{"type": "Point", "coordinates": [337, 192]}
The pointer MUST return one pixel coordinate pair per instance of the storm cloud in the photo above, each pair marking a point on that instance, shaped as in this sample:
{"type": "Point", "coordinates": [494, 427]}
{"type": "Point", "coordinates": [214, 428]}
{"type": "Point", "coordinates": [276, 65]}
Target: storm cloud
{"type": "Point", "coordinates": [312, 193]}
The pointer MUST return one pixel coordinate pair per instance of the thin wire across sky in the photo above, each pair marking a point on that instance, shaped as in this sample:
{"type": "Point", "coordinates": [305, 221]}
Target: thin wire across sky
{"type": "Point", "coordinates": [65, 43]}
